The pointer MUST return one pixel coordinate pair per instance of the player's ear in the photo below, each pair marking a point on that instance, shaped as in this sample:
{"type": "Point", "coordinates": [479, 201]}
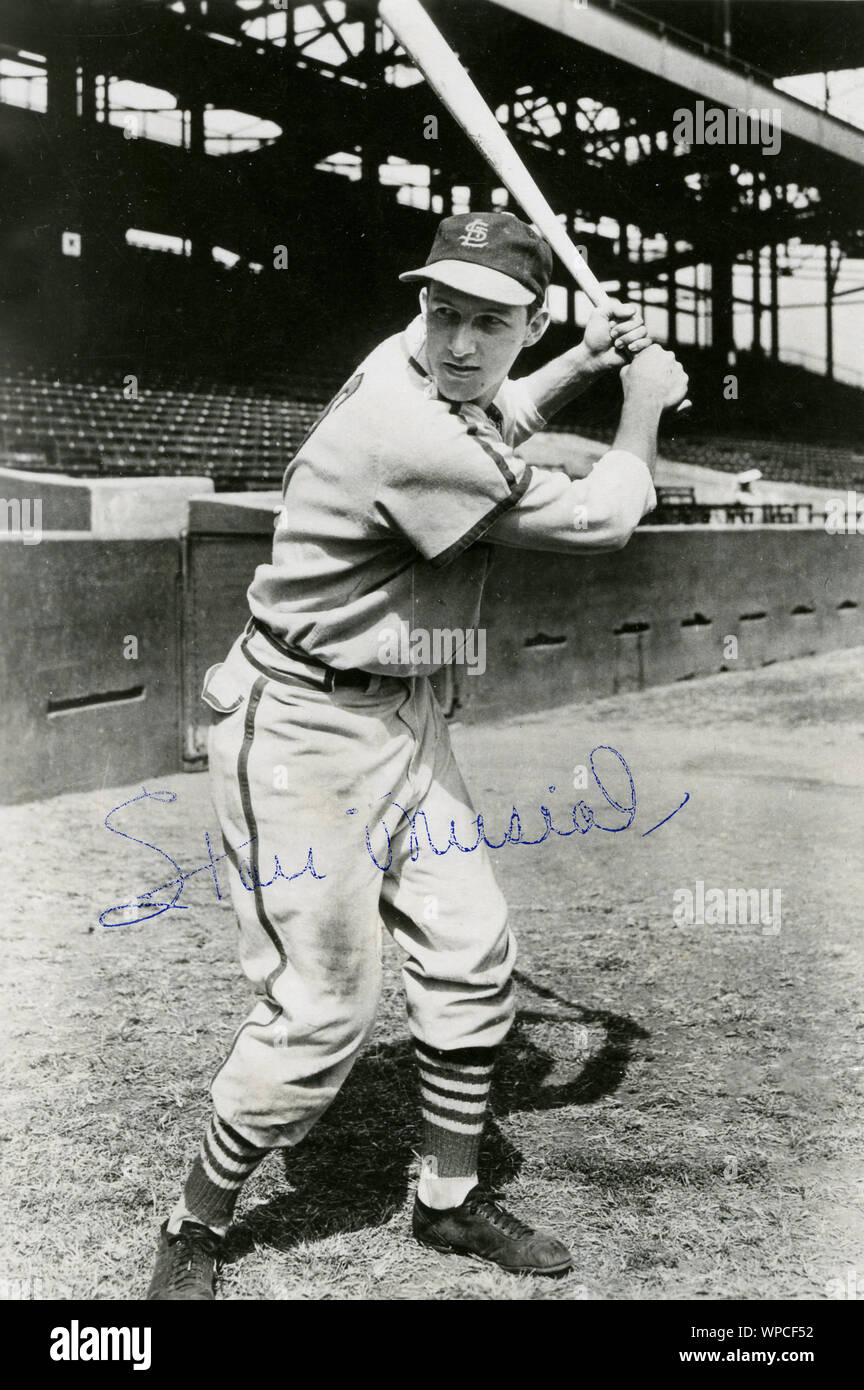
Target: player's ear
{"type": "Point", "coordinates": [424, 300]}
{"type": "Point", "coordinates": [536, 326]}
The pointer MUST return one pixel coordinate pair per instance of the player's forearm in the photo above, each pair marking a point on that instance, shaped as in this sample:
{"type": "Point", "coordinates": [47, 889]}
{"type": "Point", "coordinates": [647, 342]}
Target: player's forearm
{"type": "Point", "coordinates": [637, 429]}
{"type": "Point", "coordinates": [596, 513]}
{"type": "Point", "coordinates": [563, 379]}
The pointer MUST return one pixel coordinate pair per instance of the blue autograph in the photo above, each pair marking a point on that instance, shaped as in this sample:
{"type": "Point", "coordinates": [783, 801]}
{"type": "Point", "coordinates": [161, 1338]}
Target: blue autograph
{"type": "Point", "coordinates": [514, 835]}
{"type": "Point", "coordinates": [246, 869]}
{"type": "Point", "coordinates": [582, 820]}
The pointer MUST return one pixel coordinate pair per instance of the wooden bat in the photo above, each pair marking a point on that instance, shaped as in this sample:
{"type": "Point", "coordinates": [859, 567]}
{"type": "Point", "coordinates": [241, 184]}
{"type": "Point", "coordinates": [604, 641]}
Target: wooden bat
{"type": "Point", "coordinates": [448, 79]}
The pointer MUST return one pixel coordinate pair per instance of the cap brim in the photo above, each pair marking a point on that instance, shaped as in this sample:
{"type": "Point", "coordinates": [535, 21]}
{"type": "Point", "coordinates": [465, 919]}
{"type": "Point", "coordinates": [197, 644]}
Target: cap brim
{"type": "Point", "coordinates": [470, 278]}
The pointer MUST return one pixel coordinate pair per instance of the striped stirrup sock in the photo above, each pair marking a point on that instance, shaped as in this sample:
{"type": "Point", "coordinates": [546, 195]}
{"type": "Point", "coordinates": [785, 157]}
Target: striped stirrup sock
{"type": "Point", "coordinates": [224, 1162]}
{"type": "Point", "coordinates": [454, 1088]}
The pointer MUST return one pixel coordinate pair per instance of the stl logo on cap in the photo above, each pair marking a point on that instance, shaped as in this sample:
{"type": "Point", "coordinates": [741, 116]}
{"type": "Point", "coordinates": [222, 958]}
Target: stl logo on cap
{"type": "Point", "coordinates": [491, 255]}
{"type": "Point", "coordinates": [476, 233]}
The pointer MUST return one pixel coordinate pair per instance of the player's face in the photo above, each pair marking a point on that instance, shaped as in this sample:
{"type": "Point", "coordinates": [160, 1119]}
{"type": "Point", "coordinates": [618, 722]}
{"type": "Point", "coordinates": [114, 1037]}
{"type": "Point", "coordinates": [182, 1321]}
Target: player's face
{"type": "Point", "coordinates": [472, 343]}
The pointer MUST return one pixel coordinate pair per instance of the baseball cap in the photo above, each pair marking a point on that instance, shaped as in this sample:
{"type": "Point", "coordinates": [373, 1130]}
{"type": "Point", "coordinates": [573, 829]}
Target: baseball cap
{"type": "Point", "coordinates": [493, 255]}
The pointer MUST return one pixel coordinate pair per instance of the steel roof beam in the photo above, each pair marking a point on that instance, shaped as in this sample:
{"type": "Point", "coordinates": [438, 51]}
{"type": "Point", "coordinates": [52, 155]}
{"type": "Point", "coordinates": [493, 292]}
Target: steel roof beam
{"type": "Point", "coordinates": [671, 62]}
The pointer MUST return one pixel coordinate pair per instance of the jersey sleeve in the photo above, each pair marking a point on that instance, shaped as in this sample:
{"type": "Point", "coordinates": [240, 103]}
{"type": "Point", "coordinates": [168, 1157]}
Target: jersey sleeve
{"type": "Point", "coordinates": [595, 513]}
{"type": "Point", "coordinates": [520, 417]}
{"type": "Point", "coordinates": [445, 491]}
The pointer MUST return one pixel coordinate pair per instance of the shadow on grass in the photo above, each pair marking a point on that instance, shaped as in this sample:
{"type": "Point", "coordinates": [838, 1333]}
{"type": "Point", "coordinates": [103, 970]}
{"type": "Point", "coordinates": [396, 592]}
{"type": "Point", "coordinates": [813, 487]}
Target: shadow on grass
{"type": "Point", "coordinates": [352, 1171]}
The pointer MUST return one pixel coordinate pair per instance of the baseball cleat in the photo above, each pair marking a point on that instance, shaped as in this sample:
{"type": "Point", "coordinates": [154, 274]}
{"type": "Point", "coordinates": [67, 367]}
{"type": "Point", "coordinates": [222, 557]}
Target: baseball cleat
{"type": "Point", "coordinates": [185, 1264]}
{"type": "Point", "coordinates": [481, 1226]}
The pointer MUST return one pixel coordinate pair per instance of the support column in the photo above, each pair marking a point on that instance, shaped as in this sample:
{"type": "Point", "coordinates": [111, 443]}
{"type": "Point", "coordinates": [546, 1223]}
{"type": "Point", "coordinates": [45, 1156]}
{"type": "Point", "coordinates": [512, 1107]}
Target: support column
{"type": "Point", "coordinates": [671, 300]}
{"type": "Point", "coordinates": [63, 302]}
{"type": "Point", "coordinates": [628, 285]}
{"type": "Point", "coordinates": [756, 257]}
{"type": "Point", "coordinates": [372, 150]}
{"type": "Point", "coordinates": [62, 84]}
{"type": "Point", "coordinates": [438, 189]}
{"type": "Point", "coordinates": [774, 306]}
{"type": "Point", "coordinates": [88, 94]}
{"type": "Point", "coordinates": [196, 127]}
{"type": "Point", "coordinates": [831, 272]}
{"type": "Point", "coordinates": [194, 230]}
{"type": "Point", "coordinates": [621, 260]}
{"type": "Point", "coordinates": [571, 291]}
{"type": "Point", "coordinates": [640, 262]}
{"type": "Point", "coordinates": [706, 291]}
{"type": "Point", "coordinates": [722, 335]}
{"type": "Point", "coordinates": [726, 10]}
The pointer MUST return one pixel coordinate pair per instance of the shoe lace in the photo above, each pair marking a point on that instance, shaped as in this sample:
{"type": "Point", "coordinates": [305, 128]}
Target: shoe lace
{"type": "Point", "coordinates": [194, 1250]}
{"type": "Point", "coordinates": [488, 1204]}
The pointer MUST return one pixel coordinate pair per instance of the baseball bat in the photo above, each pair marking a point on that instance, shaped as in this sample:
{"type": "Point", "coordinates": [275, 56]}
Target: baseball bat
{"type": "Point", "coordinates": [446, 76]}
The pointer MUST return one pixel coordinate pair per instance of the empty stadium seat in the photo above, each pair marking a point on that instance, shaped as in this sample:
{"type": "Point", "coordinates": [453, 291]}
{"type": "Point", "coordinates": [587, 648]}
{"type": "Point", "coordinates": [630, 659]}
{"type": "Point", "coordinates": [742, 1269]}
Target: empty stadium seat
{"type": "Point", "coordinates": [243, 435]}
{"type": "Point", "coordinates": [240, 435]}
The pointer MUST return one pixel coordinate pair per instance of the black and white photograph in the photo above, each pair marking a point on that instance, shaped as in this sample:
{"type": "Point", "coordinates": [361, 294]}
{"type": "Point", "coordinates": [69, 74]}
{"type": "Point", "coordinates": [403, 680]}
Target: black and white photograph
{"type": "Point", "coordinates": [431, 510]}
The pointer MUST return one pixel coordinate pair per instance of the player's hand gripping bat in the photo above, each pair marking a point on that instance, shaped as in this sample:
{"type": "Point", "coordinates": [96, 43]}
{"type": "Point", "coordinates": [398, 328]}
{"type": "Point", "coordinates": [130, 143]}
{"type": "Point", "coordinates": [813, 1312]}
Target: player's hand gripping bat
{"type": "Point", "coordinates": [447, 77]}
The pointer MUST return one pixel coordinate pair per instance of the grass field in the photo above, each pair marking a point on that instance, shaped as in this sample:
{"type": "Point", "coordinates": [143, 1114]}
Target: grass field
{"type": "Point", "coordinates": [682, 1104]}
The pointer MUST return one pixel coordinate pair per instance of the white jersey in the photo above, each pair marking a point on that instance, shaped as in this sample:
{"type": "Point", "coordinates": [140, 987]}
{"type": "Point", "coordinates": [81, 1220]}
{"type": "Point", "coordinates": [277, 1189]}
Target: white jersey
{"type": "Point", "coordinates": [388, 496]}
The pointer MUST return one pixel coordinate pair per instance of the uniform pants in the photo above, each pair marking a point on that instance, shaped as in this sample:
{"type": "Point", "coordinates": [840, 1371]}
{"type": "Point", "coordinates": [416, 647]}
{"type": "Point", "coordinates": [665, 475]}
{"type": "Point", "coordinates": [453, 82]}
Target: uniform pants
{"type": "Point", "coordinates": [356, 777]}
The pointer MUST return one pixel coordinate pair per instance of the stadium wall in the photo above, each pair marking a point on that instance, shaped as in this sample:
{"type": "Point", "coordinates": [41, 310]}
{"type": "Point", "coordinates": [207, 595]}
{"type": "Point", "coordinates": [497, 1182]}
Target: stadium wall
{"type": "Point", "coordinates": [113, 508]}
{"type": "Point", "coordinates": [677, 603]}
{"type": "Point", "coordinates": [81, 714]}
{"type": "Point", "coordinates": [89, 672]}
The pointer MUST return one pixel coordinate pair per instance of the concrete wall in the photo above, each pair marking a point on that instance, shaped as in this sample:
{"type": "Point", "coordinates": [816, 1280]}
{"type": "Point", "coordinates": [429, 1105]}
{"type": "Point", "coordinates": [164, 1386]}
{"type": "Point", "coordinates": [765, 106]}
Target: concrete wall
{"type": "Point", "coordinates": [561, 629]}
{"type": "Point", "coordinates": [76, 712]}
{"type": "Point", "coordinates": [134, 508]}
{"type": "Point", "coordinates": [61, 504]}
{"type": "Point", "coordinates": [660, 611]}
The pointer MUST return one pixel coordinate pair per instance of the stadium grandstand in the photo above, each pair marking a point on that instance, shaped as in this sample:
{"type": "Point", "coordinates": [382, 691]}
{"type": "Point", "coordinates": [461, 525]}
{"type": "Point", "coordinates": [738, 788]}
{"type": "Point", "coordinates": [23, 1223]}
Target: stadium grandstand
{"type": "Point", "coordinates": [206, 204]}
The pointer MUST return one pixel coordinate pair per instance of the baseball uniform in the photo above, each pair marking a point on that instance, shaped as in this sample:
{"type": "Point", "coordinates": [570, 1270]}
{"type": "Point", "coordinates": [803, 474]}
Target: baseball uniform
{"type": "Point", "coordinates": [385, 506]}
{"type": "Point", "coordinates": [341, 806]}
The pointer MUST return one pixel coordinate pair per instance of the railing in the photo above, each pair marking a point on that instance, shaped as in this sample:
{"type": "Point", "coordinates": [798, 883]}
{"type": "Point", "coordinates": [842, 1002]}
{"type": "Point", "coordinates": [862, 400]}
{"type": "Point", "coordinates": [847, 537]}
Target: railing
{"type": "Point", "coordinates": [717, 55]}
{"type": "Point", "coordinates": [734, 514]}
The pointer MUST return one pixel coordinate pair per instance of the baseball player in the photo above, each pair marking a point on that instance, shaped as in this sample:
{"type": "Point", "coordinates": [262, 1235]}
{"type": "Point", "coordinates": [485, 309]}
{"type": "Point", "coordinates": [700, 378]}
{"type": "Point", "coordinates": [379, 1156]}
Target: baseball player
{"type": "Point", "coordinates": [324, 751]}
